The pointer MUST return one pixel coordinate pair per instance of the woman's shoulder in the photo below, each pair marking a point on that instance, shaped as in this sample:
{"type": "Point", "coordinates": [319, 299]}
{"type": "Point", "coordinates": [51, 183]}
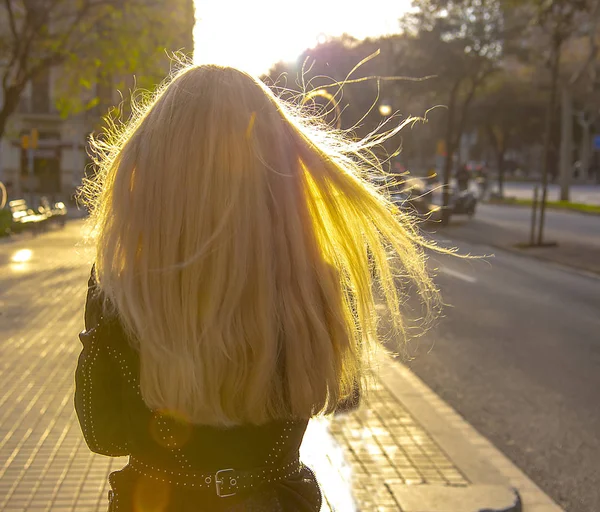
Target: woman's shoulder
{"type": "Point", "coordinates": [97, 303]}
{"type": "Point", "coordinates": [101, 316]}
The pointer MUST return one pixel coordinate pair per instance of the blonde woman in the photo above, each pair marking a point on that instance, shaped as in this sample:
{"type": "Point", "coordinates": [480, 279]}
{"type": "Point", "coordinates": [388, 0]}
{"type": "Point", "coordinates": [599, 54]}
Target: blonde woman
{"type": "Point", "coordinates": [231, 298]}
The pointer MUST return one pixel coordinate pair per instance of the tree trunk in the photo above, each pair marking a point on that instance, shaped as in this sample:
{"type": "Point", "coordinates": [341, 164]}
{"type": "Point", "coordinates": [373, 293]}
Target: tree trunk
{"type": "Point", "coordinates": [11, 102]}
{"type": "Point", "coordinates": [4, 115]}
{"type": "Point", "coordinates": [12, 95]}
{"type": "Point", "coordinates": [555, 67]}
{"type": "Point", "coordinates": [450, 137]}
{"type": "Point", "coordinates": [3, 122]}
{"type": "Point", "coordinates": [498, 143]}
{"type": "Point", "coordinates": [585, 153]}
{"type": "Point", "coordinates": [566, 142]}
{"type": "Point", "coordinates": [446, 188]}
{"type": "Point", "coordinates": [501, 174]}
{"type": "Point", "coordinates": [501, 152]}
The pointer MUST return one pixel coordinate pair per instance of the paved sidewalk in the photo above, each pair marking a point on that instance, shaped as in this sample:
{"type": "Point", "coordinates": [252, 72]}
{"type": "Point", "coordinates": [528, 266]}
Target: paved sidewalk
{"type": "Point", "coordinates": [403, 450]}
{"type": "Point", "coordinates": [372, 450]}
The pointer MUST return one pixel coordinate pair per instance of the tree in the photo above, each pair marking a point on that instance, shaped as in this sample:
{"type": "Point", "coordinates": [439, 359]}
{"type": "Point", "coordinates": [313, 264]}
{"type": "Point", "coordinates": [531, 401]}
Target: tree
{"type": "Point", "coordinates": [554, 22]}
{"type": "Point", "coordinates": [509, 110]}
{"type": "Point", "coordinates": [581, 51]}
{"type": "Point", "coordinates": [460, 41]}
{"type": "Point", "coordinates": [587, 113]}
{"type": "Point", "coordinates": [90, 38]}
{"type": "Point", "coordinates": [361, 76]}
{"type": "Point", "coordinates": [327, 67]}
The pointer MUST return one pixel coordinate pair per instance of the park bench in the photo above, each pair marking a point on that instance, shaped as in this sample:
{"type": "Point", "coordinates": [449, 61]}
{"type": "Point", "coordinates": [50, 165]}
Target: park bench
{"type": "Point", "coordinates": [24, 217]}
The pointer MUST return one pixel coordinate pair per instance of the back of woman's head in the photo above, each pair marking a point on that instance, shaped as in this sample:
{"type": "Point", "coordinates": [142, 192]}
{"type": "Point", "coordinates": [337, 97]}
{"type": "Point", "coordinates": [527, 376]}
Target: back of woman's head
{"type": "Point", "coordinates": [237, 240]}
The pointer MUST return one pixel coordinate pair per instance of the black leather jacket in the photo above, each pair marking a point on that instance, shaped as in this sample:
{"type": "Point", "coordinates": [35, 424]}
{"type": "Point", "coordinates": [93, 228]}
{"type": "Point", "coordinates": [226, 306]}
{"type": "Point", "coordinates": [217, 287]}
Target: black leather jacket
{"type": "Point", "coordinates": [166, 453]}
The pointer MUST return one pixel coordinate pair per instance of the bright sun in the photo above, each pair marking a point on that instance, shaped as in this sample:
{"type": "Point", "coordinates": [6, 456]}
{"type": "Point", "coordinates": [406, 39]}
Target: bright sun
{"type": "Point", "coordinates": [253, 35]}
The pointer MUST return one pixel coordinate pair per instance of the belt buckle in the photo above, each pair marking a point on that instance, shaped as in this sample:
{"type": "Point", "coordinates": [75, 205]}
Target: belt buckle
{"type": "Point", "coordinates": [219, 482]}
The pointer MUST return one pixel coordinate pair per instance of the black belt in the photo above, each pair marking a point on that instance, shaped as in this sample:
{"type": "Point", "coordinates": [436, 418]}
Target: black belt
{"type": "Point", "coordinates": [224, 482]}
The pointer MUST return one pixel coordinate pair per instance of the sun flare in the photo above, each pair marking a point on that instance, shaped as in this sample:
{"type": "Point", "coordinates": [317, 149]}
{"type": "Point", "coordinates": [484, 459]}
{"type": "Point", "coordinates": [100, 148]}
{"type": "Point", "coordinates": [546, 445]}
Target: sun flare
{"type": "Point", "coordinates": [255, 35]}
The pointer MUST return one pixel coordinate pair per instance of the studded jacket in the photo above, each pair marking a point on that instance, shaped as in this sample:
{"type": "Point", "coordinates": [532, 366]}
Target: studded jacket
{"type": "Point", "coordinates": [172, 463]}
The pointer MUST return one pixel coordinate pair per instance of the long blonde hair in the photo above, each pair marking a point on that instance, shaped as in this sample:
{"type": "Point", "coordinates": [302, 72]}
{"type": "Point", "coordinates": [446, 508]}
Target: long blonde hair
{"type": "Point", "coordinates": [237, 239]}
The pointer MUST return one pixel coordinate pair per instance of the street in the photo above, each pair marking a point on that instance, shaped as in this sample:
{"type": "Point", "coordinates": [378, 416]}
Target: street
{"type": "Point", "coordinates": [397, 448]}
{"type": "Point", "coordinates": [518, 355]}
{"type": "Point", "coordinates": [574, 237]}
{"type": "Point", "coordinates": [560, 226]}
{"type": "Point", "coordinates": [228, 135]}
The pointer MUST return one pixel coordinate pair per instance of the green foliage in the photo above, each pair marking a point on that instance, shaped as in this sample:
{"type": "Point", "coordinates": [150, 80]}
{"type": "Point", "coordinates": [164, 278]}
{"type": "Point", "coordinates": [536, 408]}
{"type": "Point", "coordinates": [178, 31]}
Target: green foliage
{"type": "Point", "coordinates": [137, 55]}
{"type": "Point", "coordinates": [461, 41]}
{"type": "Point", "coordinates": [484, 61]}
{"type": "Point", "coordinates": [510, 110]}
{"type": "Point", "coordinates": [92, 41]}
{"type": "Point", "coordinates": [5, 222]}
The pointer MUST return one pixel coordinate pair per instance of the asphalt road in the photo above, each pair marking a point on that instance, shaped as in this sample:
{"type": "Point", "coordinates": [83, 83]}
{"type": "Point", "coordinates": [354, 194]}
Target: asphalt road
{"type": "Point", "coordinates": [518, 355]}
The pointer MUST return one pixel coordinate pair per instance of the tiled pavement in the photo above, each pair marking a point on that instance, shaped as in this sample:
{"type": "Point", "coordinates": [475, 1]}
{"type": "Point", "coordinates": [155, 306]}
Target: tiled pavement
{"type": "Point", "coordinates": [372, 449]}
{"type": "Point", "coordinates": [44, 462]}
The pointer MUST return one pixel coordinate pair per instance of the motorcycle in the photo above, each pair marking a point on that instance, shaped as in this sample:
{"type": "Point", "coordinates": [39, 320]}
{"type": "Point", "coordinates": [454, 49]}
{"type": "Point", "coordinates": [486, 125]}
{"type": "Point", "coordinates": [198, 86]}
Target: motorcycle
{"type": "Point", "coordinates": [463, 202]}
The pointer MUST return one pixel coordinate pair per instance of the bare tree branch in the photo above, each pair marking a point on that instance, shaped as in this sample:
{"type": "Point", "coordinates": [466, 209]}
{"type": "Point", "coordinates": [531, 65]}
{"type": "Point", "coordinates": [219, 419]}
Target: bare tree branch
{"type": "Point", "coordinates": [595, 14]}
{"type": "Point", "coordinates": [41, 34]}
{"type": "Point", "coordinates": [11, 19]}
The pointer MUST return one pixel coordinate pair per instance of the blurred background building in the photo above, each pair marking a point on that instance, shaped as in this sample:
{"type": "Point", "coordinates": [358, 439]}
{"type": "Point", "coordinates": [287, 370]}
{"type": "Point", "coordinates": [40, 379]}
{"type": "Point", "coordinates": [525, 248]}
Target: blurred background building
{"type": "Point", "coordinates": [44, 145]}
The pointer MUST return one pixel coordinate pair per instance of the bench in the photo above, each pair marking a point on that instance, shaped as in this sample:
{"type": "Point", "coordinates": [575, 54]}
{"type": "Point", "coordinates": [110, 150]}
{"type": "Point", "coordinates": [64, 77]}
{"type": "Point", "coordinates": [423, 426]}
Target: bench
{"type": "Point", "coordinates": [24, 217]}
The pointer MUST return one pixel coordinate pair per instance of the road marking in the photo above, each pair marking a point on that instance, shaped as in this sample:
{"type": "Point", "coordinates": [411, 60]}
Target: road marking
{"type": "Point", "coordinates": [458, 275]}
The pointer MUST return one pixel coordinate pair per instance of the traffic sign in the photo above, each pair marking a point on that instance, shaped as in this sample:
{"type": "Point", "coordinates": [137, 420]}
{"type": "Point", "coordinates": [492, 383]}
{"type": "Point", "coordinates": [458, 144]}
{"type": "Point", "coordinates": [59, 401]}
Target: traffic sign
{"type": "Point", "coordinates": [30, 140]}
{"type": "Point", "coordinates": [596, 142]}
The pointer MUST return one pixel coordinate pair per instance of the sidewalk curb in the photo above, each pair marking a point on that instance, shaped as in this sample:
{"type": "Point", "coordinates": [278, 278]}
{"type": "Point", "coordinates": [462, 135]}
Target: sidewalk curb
{"type": "Point", "coordinates": [481, 462]}
{"type": "Point", "coordinates": [476, 498]}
